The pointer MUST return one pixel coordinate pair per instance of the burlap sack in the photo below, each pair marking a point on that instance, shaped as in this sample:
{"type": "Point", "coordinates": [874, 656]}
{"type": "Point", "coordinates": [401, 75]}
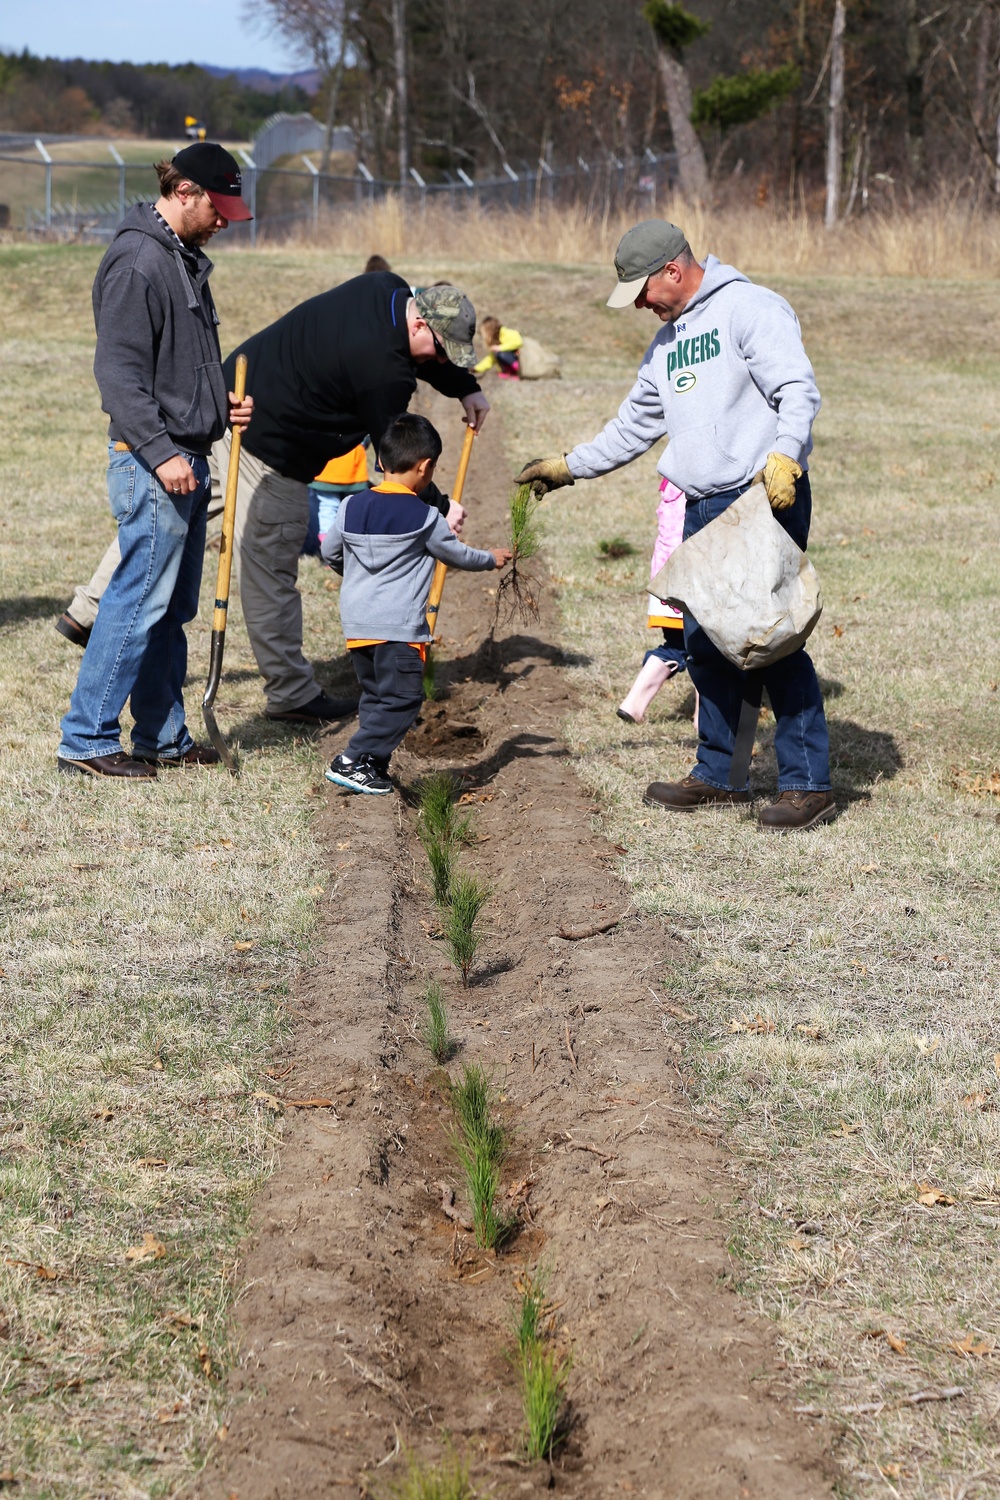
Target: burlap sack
{"type": "Point", "coordinates": [751, 589]}
{"type": "Point", "coordinates": [536, 362]}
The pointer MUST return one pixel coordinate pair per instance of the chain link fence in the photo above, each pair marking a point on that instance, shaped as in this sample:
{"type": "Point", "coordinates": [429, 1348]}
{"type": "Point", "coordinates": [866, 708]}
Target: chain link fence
{"type": "Point", "coordinates": [45, 196]}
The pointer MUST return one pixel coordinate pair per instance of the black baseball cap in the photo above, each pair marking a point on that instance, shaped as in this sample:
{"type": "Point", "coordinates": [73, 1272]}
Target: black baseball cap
{"type": "Point", "coordinates": [213, 169]}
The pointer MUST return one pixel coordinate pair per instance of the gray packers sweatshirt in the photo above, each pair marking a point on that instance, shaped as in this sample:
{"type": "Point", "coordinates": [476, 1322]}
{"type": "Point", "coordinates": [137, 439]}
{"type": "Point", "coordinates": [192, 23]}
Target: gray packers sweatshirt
{"type": "Point", "coordinates": [728, 383]}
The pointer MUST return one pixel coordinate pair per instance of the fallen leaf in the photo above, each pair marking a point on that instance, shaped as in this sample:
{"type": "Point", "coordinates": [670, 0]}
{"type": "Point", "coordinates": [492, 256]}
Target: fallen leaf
{"type": "Point", "coordinates": [977, 1100]}
{"type": "Point", "coordinates": [271, 1100]}
{"type": "Point", "coordinates": [227, 844]}
{"type": "Point", "coordinates": [970, 1348]}
{"type": "Point", "coordinates": [815, 1032]}
{"type": "Point", "coordinates": [151, 1161]}
{"type": "Point", "coordinates": [104, 1112]}
{"type": "Point", "coordinates": [681, 1015]}
{"type": "Point", "coordinates": [796, 1244]}
{"type": "Point", "coordinates": [42, 1272]}
{"type": "Point", "coordinates": [205, 1360]}
{"type": "Point", "coordinates": [996, 1063]}
{"type": "Point", "coordinates": [893, 1471]}
{"type": "Point", "coordinates": [468, 797]}
{"type": "Point", "coordinates": [222, 1433]}
{"type": "Point", "coordinates": [315, 890]}
{"type": "Point", "coordinates": [926, 1045]}
{"type": "Point", "coordinates": [308, 1103]}
{"type": "Point", "coordinates": [150, 1249]}
{"type": "Point", "coordinates": [932, 1197]}
{"type": "Point", "coordinates": [845, 1130]}
{"type": "Point", "coordinates": [245, 947]}
{"type": "Point", "coordinates": [168, 1413]}
{"type": "Point", "coordinates": [897, 1345]}
{"type": "Point", "coordinates": [345, 845]}
{"type": "Point", "coordinates": [838, 630]}
{"type": "Point", "coordinates": [856, 964]}
{"type": "Point", "coordinates": [184, 1320]}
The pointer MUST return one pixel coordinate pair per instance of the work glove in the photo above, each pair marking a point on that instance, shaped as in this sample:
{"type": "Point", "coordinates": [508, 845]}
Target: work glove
{"type": "Point", "coordinates": [779, 475]}
{"type": "Point", "coordinates": [544, 474]}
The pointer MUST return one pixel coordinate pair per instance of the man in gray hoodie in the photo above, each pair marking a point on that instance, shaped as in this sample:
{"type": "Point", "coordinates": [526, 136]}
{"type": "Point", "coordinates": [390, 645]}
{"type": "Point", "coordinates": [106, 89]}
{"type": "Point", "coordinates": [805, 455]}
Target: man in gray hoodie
{"type": "Point", "coordinates": [728, 382]}
{"type": "Point", "coordinates": [159, 368]}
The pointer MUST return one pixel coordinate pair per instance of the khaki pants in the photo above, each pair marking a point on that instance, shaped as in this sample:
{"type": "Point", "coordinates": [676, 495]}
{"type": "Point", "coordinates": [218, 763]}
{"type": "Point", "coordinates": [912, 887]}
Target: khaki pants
{"type": "Point", "coordinates": [272, 517]}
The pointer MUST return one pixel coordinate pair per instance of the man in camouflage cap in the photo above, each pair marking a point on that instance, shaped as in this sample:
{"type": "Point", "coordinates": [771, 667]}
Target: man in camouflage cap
{"type": "Point", "coordinates": [331, 372]}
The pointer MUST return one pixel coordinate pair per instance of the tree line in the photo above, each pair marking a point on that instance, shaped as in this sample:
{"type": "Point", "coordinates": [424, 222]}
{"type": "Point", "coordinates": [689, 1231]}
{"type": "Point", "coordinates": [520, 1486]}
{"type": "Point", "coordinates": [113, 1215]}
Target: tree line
{"type": "Point", "coordinates": [894, 99]}
{"type": "Point", "coordinates": [76, 97]}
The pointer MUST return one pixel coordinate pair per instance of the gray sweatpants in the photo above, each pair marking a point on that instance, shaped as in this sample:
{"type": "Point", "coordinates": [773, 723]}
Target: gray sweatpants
{"type": "Point", "coordinates": [272, 517]}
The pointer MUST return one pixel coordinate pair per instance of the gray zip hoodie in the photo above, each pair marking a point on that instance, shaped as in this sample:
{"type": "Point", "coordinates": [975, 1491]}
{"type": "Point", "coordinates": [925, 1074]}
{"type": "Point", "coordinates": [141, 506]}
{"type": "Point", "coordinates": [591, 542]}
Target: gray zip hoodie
{"type": "Point", "coordinates": [158, 362]}
{"type": "Point", "coordinates": [728, 383]}
{"type": "Point", "coordinates": [386, 542]}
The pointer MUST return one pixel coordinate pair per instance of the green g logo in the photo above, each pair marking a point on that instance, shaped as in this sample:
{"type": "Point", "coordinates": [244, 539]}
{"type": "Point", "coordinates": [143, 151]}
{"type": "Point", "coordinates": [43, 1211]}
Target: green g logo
{"type": "Point", "coordinates": [685, 381]}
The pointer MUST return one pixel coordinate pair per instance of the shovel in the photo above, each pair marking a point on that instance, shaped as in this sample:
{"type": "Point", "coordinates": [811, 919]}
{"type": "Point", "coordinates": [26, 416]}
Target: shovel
{"type": "Point", "coordinates": [440, 568]}
{"type": "Point", "coordinates": [222, 581]}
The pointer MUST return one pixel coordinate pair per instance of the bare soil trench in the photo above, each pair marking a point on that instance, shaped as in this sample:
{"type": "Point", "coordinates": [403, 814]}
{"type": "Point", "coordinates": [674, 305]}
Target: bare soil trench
{"type": "Point", "coordinates": [367, 1318]}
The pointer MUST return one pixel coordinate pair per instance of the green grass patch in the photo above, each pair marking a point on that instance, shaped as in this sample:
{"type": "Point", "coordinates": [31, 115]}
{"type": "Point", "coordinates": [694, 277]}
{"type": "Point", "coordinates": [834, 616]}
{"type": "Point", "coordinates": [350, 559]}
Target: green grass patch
{"type": "Point", "coordinates": [616, 547]}
{"type": "Point", "coordinates": [447, 1480]}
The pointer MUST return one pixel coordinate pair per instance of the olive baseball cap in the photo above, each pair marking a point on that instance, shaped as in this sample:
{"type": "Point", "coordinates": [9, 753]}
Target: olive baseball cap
{"type": "Point", "coordinates": [645, 249]}
{"type": "Point", "coordinates": [213, 169]}
{"type": "Point", "coordinates": [452, 318]}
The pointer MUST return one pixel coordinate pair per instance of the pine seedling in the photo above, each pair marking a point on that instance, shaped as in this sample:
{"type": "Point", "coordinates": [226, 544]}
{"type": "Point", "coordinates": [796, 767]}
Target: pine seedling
{"type": "Point", "coordinates": [439, 815]}
{"type": "Point", "coordinates": [440, 857]}
{"type": "Point", "coordinates": [532, 1314]}
{"type": "Point", "coordinates": [544, 1373]}
{"type": "Point", "coordinates": [435, 1033]}
{"type": "Point", "coordinates": [515, 591]}
{"type": "Point", "coordinates": [467, 897]}
{"type": "Point", "coordinates": [448, 1480]}
{"type": "Point", "coordinates": [480, 1144]}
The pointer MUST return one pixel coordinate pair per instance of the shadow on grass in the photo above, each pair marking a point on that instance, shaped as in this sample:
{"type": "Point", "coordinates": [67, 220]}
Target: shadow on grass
{"type": "Point", "coordinates": [22, 608]}
{"type": "Point", "coordinates": [860, 757]}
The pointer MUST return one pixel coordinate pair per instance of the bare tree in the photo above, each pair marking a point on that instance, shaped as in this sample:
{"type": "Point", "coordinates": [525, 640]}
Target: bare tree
{"type": "Point", "coordinates": [835, 118]}
{"type": "Point", "coordinates": [402, 86]}
{"type": "Point", "coordinates": [317, 31]}
{"type": "Point", "coordinates": [674, 29]}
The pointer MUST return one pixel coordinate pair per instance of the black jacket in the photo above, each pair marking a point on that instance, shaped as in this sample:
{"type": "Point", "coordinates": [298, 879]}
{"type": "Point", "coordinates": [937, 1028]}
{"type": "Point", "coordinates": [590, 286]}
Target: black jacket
{"type": "Point", "coordinates": [334, 370]}
{"type": "Point", "coordinates": [158, 362]}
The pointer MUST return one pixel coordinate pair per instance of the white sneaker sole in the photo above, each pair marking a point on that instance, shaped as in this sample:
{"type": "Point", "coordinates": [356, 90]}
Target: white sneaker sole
{"type": "Point", "coordinates": [352, 786]}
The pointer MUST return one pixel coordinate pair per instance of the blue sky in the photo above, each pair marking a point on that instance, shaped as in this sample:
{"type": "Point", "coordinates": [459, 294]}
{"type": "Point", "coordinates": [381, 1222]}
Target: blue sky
{"type": "Point", "coordinates": [203, 31]}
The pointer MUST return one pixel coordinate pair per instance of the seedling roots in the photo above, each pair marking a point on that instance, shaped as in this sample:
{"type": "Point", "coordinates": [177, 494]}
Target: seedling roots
{"type": "Point", "coordinates": [516, 589]}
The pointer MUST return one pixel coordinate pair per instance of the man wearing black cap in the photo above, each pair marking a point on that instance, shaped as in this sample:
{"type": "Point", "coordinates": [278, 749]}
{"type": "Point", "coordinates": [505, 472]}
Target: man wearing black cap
{"type": "Point", "coordinates": [728, 382]}
{"type": "Point", "coordinates": [331, 372]}
{"type": "Point", "coordinates": [159, 368]}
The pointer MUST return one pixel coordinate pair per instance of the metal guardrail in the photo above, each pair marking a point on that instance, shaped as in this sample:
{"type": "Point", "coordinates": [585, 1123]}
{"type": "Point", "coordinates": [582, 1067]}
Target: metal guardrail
{"type": "Point", "coordinates": [286, 199]}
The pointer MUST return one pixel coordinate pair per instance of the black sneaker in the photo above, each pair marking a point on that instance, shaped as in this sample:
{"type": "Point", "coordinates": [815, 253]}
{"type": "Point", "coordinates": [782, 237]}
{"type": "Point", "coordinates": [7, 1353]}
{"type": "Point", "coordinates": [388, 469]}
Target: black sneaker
{"type": "Point", "coordinates": [361, 775]}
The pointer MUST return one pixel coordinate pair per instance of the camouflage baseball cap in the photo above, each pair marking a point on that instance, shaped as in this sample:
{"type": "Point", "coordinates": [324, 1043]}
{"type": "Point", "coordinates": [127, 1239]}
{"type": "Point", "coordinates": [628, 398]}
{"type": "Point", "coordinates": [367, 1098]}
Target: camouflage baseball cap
{"type": "Point", "coordinates": [453, 318]}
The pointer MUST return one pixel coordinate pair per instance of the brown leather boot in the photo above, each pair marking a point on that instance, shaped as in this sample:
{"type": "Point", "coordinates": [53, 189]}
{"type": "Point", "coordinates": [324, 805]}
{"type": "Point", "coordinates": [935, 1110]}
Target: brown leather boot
{"type": "Point", "coordinates": [795, 810]}
{"type": "Point", "coordinates": [689, 794]}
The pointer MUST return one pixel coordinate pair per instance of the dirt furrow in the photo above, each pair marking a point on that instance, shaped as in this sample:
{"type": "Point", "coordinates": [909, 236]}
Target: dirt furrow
{"type": "Point", "coordinates": [369, 1321]}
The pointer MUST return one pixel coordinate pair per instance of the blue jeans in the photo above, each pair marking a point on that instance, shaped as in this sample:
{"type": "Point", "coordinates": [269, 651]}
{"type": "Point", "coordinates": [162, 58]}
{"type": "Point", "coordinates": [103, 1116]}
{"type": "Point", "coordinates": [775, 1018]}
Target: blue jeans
{"type": "Point", "coordinates": [138, 648]}
{"type": "Point", "coordinates": [801, 740]}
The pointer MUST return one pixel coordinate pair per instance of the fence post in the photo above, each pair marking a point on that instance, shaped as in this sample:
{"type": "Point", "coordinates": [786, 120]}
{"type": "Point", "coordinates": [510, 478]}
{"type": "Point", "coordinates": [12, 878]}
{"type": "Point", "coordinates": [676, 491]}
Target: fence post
{"type": "Point", "coordinates": [46, 158]}
{"type": "Point", "coordinates": [315, 173]}
{"type": "Point", "coordinates": [363, 170]}
{"type": "Point", "coordinates": [121, 181]}
{"type": "Point", "coordinates": [421, 184]}
{"type": "Point", "coordinates": [253, 196]}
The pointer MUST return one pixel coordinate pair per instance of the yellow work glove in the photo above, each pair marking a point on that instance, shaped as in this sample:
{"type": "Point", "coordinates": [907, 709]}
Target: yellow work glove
{"type": "Point", "coordinates": [779, 476]}
{"type": "Point", "coordinates": [544, 474]}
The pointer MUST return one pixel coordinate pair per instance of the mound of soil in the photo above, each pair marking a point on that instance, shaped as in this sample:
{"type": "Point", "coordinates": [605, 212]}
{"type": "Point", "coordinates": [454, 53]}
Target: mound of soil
{"type": "Point", "coordinates": [370, 1323]}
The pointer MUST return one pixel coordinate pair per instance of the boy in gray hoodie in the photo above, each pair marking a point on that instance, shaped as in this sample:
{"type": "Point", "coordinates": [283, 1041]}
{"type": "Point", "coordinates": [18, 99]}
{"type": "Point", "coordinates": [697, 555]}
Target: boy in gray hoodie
{"type": "Point", "coordinates": [386, 541]}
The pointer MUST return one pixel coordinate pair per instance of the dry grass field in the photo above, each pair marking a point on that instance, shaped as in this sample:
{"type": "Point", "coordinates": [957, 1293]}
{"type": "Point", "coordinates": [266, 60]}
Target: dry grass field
{"type": "Point", "coordinates": [837, 1008]}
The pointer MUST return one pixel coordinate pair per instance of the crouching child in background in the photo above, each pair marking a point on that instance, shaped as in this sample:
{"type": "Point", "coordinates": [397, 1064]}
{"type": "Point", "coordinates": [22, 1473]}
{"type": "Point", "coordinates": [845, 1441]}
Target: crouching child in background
{"type": "Point", "coordinates": [385, 541]}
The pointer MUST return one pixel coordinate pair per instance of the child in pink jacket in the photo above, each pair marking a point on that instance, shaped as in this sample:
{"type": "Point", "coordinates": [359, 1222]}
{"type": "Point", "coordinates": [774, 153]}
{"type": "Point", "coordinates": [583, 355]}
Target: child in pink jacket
{"type": "Point", "coordinates": [662, 662]}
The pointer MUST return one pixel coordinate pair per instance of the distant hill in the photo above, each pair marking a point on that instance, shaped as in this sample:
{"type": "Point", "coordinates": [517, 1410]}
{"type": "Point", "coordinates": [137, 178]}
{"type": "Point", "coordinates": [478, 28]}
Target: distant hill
{"type": "Point", "coordinates": [308, 79]}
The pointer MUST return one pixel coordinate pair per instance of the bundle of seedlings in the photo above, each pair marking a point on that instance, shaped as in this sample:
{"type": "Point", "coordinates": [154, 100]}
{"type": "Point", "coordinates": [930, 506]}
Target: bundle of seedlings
{"type": "Point", "coordinates": [543, 1369]}
{"type": "Point", "coordinates": [435, 1033]}
{"type": "Point", "coordinates": [516, 594]}
{"type": "Point", "coordinates": [615, 547]}
{"type": "Point", "coordinates": [466, 898]}
{"type": "Point", "coordinates": [480, 1142]}
{"type": "Point", "coordinates": [442, 829]}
